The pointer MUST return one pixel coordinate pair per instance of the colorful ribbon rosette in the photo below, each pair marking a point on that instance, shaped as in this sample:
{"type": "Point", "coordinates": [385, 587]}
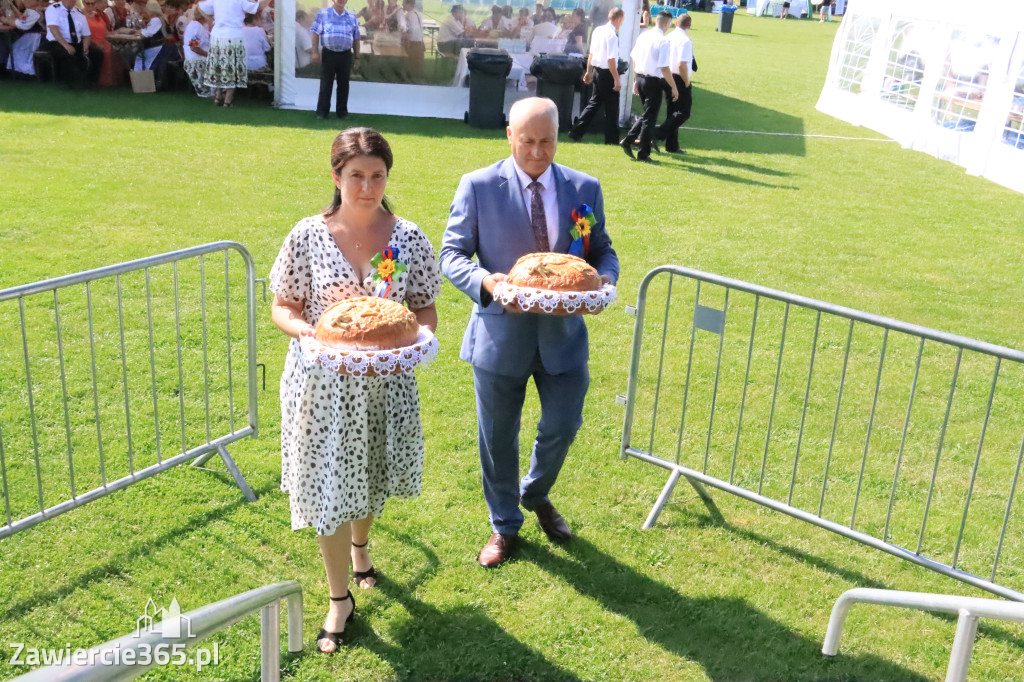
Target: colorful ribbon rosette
{"type": "Point", "coordinates": [583, 219]}
{"type": "Point", "coordinates": [388, 267]}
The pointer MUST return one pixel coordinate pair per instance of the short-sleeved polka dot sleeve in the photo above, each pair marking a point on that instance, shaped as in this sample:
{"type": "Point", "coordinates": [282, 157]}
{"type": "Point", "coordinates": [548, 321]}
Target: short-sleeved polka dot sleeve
{"type": "Point", "coordinates": [424, 283]}
{"type": "Point", "coordinates": [290, 277]}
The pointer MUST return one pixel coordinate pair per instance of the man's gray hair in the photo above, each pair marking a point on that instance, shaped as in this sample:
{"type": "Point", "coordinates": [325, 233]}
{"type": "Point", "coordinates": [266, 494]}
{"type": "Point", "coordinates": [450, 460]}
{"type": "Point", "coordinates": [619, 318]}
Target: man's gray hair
{"type": "Point", "coordinates": [542, 104]}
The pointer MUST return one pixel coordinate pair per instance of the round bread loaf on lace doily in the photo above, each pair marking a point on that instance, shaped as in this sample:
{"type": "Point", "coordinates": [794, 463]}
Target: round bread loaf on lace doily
{"type": "Point", "coordinates": [367, 323]}
{"type": "Point", "coordinates": [554, 271]}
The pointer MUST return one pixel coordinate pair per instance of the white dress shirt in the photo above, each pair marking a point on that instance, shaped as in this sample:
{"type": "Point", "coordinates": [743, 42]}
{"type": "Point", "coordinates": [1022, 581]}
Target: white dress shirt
{"type": "Point", "coordinates": [256, 46]}
{"type": "Point", "coordinates": [451, 29]}
{"type": "Point", "coordinates": [195, 31]}
{"type": "Point", "coordinates": [545, 31]}
{"type": "Point", "coordinates": [228, 16]}
{"type": "Point", "coordinates": [57, 15]}
{"type": "Point", "coordinates": [547, 195]}
{"type": "Point", "coordinates": [604, 45]}
{"type": "Point", "coordinates": [411, 24]}
{"type": "Point", "coordinates": [303, 46]}
{"type": "Point", "coordinates": [680, 49]}
{"type": "Point", "coordinates": [650, 53]}
{"type": "Point", "coordinates": [504, 24]}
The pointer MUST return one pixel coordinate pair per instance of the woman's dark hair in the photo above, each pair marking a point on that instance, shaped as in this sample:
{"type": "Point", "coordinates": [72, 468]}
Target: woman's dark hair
{"type": "Point", "coordinates": [351, 143]}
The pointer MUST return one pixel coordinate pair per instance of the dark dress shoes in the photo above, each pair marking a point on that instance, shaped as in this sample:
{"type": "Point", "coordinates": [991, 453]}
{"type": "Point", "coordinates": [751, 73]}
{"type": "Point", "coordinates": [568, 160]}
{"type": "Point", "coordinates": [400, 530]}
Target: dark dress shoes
{"type": "Point", "coordinates": [552, 523]}
{"type": "Point", "coordinates": [627, 146]}
{"type": "Point", "coordinates": [497, 550]}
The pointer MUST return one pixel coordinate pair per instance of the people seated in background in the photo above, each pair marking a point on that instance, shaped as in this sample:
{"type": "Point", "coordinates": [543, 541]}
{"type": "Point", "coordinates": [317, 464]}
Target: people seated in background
{"type": "Point", "coordinates": [391, 13]}
{"type": "Point", "coordinates": [117, 15]}
{"type": "Point", "coordinates": [372, 15]}
{"type": "Point", "coordinates": [256, 44]}
{"type": "Point", "coordinates": [267, 21]}
{"type": "Point", "coordinates": [153, 32]}
{"type": "Point", "coordinates": [496, 25]}
{"type": "Point", "coordinates": [574, 30]}
{"type": "Point", "coordinates": [111, 71]}
{"type": "Point", "coordinates": [134, 19]}
{"type": "Point", "coordinates": [523, 28]}
{"type": "Point", "coordinates": [75, 60]}
{"type": "Point", "coordinates": [196, 46]}
{"type": "Point", "coordinates": [538, 14]}
{"type": "Point", "coordinates": [547, 29]}
{"type": "Point", "coordinates": [30, 23]}
{"type": "Point", "coordinates": [454, 31]}
{"type": "Point", "coordinates": [411, 26]}
{"type": "Point", "coordinates": [160, 45]}
{"type": "Point", "coordinates": [303, 40]}
{"type": "Point", "coordinates": [175, 19]}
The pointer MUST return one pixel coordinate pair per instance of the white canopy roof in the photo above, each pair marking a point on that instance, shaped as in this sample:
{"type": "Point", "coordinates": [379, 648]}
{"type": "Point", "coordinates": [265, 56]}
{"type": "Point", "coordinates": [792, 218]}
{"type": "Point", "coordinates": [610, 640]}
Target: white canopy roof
{"type": "Point", "coordinates": [937, 77]}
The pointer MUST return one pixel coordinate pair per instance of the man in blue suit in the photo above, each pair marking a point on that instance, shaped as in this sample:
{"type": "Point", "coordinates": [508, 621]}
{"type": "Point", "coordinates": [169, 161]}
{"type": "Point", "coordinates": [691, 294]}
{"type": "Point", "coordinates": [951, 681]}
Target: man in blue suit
{"type": "Point", "coordinates": [517, 206]}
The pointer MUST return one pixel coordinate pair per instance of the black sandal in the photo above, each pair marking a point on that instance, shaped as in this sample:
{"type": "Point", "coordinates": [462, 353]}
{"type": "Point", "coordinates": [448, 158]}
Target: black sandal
{"type": "Point", "coordinates": [370, 573]}
{"type": "Point", "coordinates": [335, 637]}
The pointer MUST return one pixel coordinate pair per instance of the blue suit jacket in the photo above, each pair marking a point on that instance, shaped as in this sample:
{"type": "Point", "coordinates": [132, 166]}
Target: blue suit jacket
{"type": "Point", "coordinates": [489, 219]}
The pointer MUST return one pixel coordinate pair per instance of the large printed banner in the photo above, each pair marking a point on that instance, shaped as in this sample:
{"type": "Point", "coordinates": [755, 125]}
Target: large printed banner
{"type": "Point", "coordinates": [935, 78]}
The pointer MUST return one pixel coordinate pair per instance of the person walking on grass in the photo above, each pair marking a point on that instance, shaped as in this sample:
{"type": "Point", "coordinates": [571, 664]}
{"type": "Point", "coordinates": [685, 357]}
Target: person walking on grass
{"type": "Point", "coordinates": [519, 205]}
{"type": "Point", "coordinates": [349, 443]}
{"type": "Point", "coordinates": [680, 54]}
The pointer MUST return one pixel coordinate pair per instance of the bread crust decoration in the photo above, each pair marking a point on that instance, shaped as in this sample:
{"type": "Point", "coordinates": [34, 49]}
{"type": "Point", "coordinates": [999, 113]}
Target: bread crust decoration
{"type": "Point", "coordinates": [555, 272]}
{"type": "Point", "coordinates": [367, 323]}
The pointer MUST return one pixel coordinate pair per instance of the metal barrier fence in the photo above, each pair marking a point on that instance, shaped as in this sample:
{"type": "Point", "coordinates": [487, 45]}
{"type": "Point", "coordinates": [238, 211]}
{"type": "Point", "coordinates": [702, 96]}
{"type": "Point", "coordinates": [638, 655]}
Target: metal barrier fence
{"type": "Point", "coordinates": [103, 372]}
{"type": "Point", "coordinates": [128, 657]}
{"type": "Point", "coordinates": [905, 439]}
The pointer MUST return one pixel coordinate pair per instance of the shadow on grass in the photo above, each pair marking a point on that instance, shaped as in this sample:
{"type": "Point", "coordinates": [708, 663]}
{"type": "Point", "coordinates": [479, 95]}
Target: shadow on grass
{"type": "Point", "coordinates": [988, 628]}
{"type": "Point", "coordinates": [695, 164]}
{"type": "Point", "coordinates": [120, 564]}
{"type": "Point", "coordinates": [455, 644]}
{"type": "Point", "coordinates": [122, 104]}
{"type": "Point", "coordinates": [711, 110]}
{"type": "Point", "coordinates": [725, 635]}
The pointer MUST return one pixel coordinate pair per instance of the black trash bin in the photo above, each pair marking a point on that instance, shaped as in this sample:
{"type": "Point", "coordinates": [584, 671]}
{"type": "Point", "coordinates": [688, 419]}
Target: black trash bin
{"type": "Point", "coordinates": [557, 76]}
{"type": "Point", "coordinates": [488, 69]}
{"type": "Point", "coordinates": [725, 20]}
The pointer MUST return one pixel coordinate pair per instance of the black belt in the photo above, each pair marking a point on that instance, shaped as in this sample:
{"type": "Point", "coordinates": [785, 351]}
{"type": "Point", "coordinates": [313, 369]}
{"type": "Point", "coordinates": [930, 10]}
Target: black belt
{"type": "Point", "coordinates": [338, 51]}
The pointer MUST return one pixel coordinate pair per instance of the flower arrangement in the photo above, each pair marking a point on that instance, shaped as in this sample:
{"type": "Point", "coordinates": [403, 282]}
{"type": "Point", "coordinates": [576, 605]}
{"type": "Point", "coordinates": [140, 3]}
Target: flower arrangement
{"type": "Point", "coordinates": [583, 220]}
{"type": "Point", "coordinates": [387, 269]}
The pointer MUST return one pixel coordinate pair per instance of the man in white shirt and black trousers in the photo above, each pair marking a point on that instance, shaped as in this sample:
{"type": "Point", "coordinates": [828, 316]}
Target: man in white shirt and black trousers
{"type": "Point", "coordinates": [603, 71]}
{"type": "Point", "coordinates": [680, 55]}
{"type": "Point", "coordinates": [650, 58]}
{"type": "Point", "coordinates": [70, 43]}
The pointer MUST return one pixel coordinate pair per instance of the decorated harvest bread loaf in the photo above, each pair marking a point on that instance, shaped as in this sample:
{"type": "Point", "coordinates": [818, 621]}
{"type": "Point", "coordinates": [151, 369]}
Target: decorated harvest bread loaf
{"type": "Point", "coordinates": [367, 323]}
{"type": "Point", "coordinates": [555, 271]}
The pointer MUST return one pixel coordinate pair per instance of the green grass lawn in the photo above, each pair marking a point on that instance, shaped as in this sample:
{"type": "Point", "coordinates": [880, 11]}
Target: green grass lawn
{"type": "Point", "coordinates": [97, 178]}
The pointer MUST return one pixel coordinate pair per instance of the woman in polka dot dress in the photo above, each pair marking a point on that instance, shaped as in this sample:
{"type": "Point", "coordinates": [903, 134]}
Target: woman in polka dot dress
{"type": "Point", "coordinates": [348, 443]}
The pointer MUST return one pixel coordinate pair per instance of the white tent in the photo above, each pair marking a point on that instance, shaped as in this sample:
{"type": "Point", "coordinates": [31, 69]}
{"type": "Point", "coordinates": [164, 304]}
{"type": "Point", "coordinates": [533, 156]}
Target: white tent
{"type": "Point", "coordinates": [937, 78]}
{"type": "Point", "coordinates": [398, 99]}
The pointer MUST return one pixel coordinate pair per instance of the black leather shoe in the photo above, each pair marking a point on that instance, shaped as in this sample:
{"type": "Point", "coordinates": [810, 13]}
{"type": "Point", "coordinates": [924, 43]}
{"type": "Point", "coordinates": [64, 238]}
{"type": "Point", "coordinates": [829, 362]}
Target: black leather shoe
{"type": "Point", "coordinates": [627, 146]}
{"type": "Point", "coordinates": [552, 523]}
{"type": "Point", "coordinates": [574, 136]}
{"type": "Point", "coordinates": [645, 159]}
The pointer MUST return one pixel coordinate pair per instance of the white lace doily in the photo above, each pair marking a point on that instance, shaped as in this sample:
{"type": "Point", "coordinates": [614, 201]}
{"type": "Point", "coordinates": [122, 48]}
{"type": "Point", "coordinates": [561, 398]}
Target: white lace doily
{"type": "Point", "coordinates": [555, 302]}
{"type": "Point", "coordinates": [370, 362]}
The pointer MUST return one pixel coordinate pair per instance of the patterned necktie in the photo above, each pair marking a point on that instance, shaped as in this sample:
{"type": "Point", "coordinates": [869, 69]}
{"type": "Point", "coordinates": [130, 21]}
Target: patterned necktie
{"type": "Point", "coordinates": [71, 29]}
{"type": "Point", "coordinates": [538, 219]}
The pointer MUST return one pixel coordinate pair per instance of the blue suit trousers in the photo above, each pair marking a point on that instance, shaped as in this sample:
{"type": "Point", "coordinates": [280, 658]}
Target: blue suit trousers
{"type": "Point", "coordinates": [499, 404]}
